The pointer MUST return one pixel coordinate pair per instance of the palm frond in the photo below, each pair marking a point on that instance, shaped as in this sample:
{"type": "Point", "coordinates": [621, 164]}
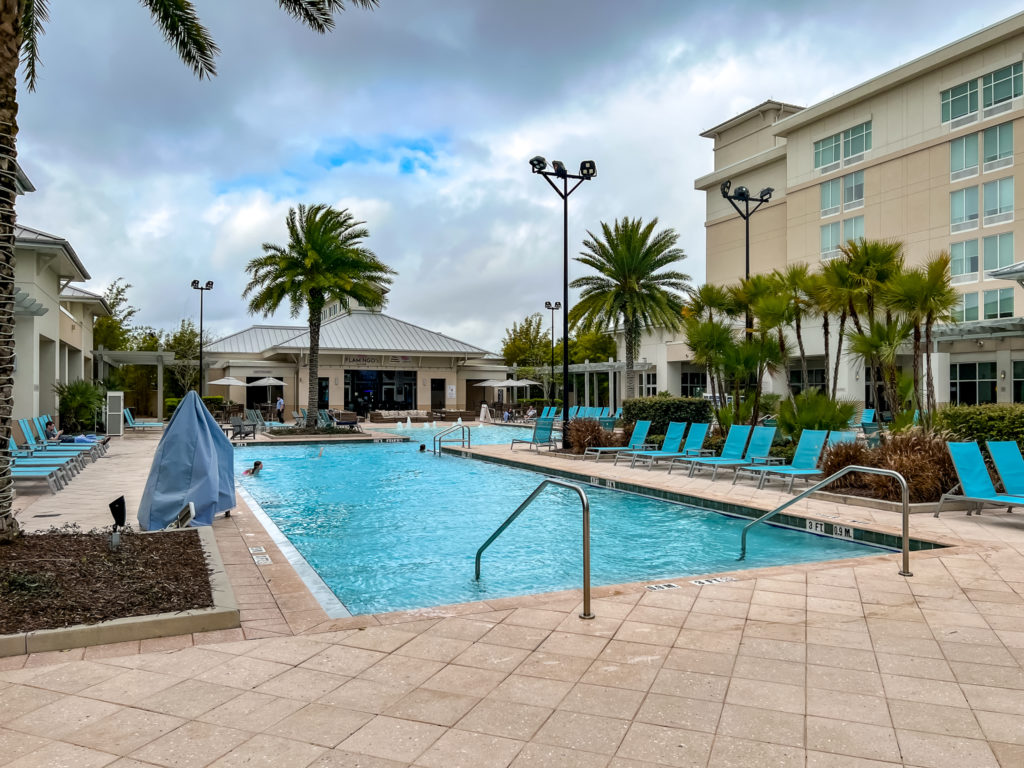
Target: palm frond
{"type": "Point", "coordinates": [34, 14]}
{"type": "Point", "coordinates": [180, 26]}
{"type": "Point", "coordinates": [318, 15]}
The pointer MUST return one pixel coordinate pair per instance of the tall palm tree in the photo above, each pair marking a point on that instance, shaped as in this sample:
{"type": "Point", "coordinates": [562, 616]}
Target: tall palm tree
{"type": "Point", "coordinates": [942, 300]}
{"type": "Point", "coordinates": [796, 284]}
{"type": "Point", "coordinates": [633, 285]}
{"type": "Point", "coordinates": [323, 261]}
{"type": "Point", "coordinates": [22, 23]}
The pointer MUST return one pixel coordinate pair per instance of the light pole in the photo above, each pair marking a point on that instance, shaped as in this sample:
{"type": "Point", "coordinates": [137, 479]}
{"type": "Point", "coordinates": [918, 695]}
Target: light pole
{"type": "Point", "coordinates": [742, 195]}
{"type": "Point", "coordinates": [553, 307]}
{"type": "Point", "coordinates": [588, 170]}
{"type": "Point", "coordinates": [202, 290]}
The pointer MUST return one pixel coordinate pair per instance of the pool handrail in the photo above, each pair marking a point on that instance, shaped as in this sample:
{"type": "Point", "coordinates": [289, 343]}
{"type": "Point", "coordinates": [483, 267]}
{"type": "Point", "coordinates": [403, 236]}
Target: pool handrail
{"type": "Point", "coordinates": [905, 570]}
{"type": "Point", "coordinates": [586, 535]}
{"type": "Point", "coordinates": [465, 438]}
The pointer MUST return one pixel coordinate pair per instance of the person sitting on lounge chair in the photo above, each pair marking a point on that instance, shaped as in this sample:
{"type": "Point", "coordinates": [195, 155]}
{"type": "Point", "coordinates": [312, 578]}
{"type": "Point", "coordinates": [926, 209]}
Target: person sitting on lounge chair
{"type": "Point", "coordinates": [52, 433]}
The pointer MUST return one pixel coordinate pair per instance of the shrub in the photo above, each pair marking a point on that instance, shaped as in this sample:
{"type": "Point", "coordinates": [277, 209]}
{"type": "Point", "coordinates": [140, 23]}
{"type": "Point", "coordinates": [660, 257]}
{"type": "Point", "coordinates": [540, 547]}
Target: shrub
{"type": "Point", "coordinates": [80, 402]}
{"type": "Point", "coordinates": [814, 410]}
{"type": "Point", "coordinates": [170, 403]}
{"type": "Point", "coordinates": [587, 433]}
{"type": "Point", "coordinates": [661, 410]}
{"type": "Point", "coordinates": [982, 422]}
{"type": "Point", "coordinates": [921, 457]}
{"type": "Point", "coordinates": [214, 402]}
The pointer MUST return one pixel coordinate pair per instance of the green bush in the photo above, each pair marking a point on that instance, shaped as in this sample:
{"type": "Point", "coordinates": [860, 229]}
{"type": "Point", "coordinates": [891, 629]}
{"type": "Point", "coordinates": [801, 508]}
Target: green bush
{"type": "Point", "coordinates": [982, 422]}
{"type": "Point", "coordinates": [661, 410]}
{"type": "Point", "coordinates": [214, 402]}
{"type": "Point", "coordinates": [80, 402]}
{"type": "Point", "coordinates": [814, 410]}
{"type": "Point", "coordinates": [170, 403]}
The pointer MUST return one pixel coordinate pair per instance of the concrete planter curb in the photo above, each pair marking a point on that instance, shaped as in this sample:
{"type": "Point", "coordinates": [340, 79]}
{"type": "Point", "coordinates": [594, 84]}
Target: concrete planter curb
{"type": "Point", "coordinates": [223, 615]}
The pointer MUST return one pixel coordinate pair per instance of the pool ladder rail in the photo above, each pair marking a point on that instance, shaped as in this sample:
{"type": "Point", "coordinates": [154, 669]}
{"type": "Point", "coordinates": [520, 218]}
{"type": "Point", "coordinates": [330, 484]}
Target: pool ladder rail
{"type": "Point", "coordinates": [904, 571]}
{"type": "Point", "coordinates": [464, 439]}
{"type": "Point", "coordinates": [586, 535]}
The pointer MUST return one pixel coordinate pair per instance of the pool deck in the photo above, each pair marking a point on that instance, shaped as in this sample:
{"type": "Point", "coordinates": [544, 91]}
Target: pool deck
{"type": "Point", "coordinates": [829, 665]}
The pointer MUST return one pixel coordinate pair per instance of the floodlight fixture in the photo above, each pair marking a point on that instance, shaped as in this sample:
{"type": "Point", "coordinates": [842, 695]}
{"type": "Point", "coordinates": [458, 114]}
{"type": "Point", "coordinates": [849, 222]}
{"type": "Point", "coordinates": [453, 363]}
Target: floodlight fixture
{"type": "Point", "coordinates": [588, 169]}
{"type": "Point", "coordinates": [765, 194]}
{"type": "Point", "coordinates": [538, 164]}
{"type": "Point", "coordinates": [202, 290]}
{"type": "Point", "coordinates": [195, 284]}
{"type": "Point", "coordinates": [559, 168]}
{"type": "Point", "coordinates": [741, 193]}
{"type": "Point", "coordinates": [745, 210]}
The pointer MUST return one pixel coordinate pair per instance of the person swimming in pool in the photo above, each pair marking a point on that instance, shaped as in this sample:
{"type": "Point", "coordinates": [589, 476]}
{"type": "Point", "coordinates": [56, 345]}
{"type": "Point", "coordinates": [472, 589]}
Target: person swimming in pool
{"type": "Point", "coordinates": [254, 469]}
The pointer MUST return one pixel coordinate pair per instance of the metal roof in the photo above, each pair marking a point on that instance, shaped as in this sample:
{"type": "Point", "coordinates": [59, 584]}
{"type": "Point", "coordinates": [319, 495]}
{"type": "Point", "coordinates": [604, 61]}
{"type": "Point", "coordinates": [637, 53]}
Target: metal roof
{"type": "Point", "coordinates": [1012, 272]}
{"type": "Point", "coordinates": [255, 339]}
{"type": "Point", "coordinates": [367, 331]}
{"type": "Point", "coordinates": [980, 329]}
{"type": "Point", "coordinates": [82, 296]}
{"type": "Point", "coordinates": [27, 236]}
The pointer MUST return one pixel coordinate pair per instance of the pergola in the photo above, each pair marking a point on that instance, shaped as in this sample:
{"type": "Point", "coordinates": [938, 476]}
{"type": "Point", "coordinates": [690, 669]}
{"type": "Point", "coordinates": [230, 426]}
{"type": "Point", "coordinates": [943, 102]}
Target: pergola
{"type": "Point", "coordinates": [119, 357]}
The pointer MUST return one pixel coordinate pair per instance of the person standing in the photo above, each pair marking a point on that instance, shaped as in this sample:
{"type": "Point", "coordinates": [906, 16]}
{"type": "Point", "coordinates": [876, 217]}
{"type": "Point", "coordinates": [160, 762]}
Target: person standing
{"type": "Point", "coordinates": [280, 409]}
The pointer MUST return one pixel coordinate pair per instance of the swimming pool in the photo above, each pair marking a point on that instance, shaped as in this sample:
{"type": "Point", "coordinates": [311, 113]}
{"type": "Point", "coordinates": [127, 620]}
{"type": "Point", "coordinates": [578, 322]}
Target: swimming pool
{"type": "Point", "coordinates": [390, 528]}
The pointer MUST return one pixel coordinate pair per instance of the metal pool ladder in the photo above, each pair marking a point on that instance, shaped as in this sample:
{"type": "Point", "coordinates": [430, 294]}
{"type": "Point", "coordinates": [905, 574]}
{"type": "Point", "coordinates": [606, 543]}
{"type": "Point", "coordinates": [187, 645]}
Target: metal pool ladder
{"type": "Point", "coordinates": [904, 571]}
{"type": "Point", "coordinates": [464, 438]}
{"type": "Point", "coordinates": [586, 536]}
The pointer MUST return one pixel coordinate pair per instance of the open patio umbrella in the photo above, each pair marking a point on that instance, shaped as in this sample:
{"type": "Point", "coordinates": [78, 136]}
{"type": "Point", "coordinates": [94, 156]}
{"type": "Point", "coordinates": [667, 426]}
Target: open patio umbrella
{"type": "Point", "coordinates": [268, 382]}
{"type": "Point", "coordinates": [492, 383]}
{"type": "Point", "coordinates": [229, 381]}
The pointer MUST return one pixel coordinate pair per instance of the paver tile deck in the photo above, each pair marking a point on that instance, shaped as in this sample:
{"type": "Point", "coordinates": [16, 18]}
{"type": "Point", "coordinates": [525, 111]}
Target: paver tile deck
{"type": "Point", "coordinates": [829, 664]}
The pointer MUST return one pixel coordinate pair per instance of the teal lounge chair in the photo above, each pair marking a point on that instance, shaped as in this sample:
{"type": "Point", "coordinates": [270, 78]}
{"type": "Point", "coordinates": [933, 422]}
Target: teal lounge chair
{"type": "Point", "coordinates": [735, 442]}
{"type": "Point", "coordinates": [58, 449]}
{"type": "Point", "coordinates": [99, 447]}
{"type": "Point", "coordinates": [541, 437]}
{"type": "Point", "coordinates": [51, 475]}
{"type": "Point", "coordinates": [868, 416]}
{"type": "Point", "coordinates": [759, 446]}
{"type": "Point", "coordinates": [1009, 465]}
{"type": "Point", "coordinates": [975, 481]}
{"type": "Point", "coordinates": [133, 424]}
{"type": "Point", "coordinates": [692, 446]}
{"type": "Point", "coordinates": [636, 443]}
{"type": "Point", "coordinates": [804, 463]}
{"type": "Point", "coordinates": [673, 439]}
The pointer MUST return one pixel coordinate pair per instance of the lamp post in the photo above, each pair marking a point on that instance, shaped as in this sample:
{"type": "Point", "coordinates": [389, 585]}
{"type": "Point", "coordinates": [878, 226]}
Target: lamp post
{"type": "Point", "coordinates": [553, 307]}
{"type": "Point", "coordinates": [588, 170]}
{"type": "Point", "coordinates": [202, 289]}
{"type": "Point", "coordinates": [742, 195]}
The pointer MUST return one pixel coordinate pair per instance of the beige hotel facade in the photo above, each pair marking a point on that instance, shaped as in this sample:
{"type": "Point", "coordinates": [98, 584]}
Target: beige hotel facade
{"type": "Point", "coordinates": [928, 154]}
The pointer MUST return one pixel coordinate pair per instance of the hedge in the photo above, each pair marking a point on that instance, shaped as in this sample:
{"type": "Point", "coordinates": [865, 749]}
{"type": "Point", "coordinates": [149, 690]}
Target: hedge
{"type": "Point", "coordinates": [213, 402]}
{"type": "Point", "coordinates": [983, 422]}
{"type": "Point", "coordinates": [661, 410]}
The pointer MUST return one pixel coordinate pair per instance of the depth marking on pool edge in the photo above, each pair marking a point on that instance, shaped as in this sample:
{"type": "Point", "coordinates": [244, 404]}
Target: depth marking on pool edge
{"type": "Point", "coordinates": [712, 580]}
{"type": "Point", "coordinates": [659, 587]}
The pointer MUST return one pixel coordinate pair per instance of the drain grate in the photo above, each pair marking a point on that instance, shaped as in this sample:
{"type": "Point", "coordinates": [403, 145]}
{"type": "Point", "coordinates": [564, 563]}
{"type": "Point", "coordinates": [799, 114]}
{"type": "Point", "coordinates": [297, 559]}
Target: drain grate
{"type": "Point", "coordinates": [48, 514]}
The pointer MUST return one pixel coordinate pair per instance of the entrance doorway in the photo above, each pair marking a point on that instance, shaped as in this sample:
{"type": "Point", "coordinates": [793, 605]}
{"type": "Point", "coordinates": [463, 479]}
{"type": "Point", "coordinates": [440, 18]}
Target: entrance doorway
{"type": "Point", "coordinates": [437, 394]}
{"type": "Point", "coordinates": [323, 392]}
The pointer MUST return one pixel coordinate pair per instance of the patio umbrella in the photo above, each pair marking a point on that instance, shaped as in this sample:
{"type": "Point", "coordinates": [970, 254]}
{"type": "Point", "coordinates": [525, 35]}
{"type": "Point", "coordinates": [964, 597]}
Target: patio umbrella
{"type": "Point", "coordinates": [493, 383]}
{"type": "Point", "coordinates": [229, 381]}
{"type": "Point", "coordinates": [525, 383]}
{"type": "Point", "coordinates": [267, 382]}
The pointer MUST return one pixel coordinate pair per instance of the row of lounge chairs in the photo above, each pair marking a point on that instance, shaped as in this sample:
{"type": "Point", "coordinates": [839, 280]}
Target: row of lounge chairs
{"type": "Point", "coordinates": [976, 485]}
{"type": "Point", "coordinates": [53, 462]}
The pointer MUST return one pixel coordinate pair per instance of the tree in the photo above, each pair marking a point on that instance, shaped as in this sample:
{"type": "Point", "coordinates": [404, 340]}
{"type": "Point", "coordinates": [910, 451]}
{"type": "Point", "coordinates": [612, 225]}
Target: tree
{"type": "Point", "coordinates": [323, 261]}
{"type": "Point", "coordinates": [114, 332]}
{"type": "Point", "coordinates": [184, 343]}
{"type": "Point", "coordinates": [633, 285]}
{"type": "Point", "coordinates": [595, 346]}
{"type": "Point", "coordinates": [527, 343]}
{"type": "Point", "coordinates": [22, 23]}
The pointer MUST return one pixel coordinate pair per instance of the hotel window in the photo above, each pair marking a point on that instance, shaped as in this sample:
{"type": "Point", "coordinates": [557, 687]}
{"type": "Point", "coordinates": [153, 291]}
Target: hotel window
{"type": "Point", "coordinates": [830, 241]}
{"type": "Point", "coordinates": [691, 383]}
{"type": "Point", "coordinates": [853, 190]}
{"type": "Point", "coordinates": [963, 157]}
{"type": "Point", "coordinates": [998, 251]}
{"type": "Point", "coordinates": [964, 261]}
{"type": "Point", "coordinates": [1018, 382]}
{"type": "Point", "coordinates": [1002, 85]}
{"type": "Point", "coordinates": [827, 151]}
{"type": "Point", "coordinates": [972, 383]}
{"type": "Point", "coordinates": [998, 303]}
{"type": "Point", "coordinates": [648, 384]}
{"type": "Point", "coordinates": [830, 202]}
{"type": "Point", "coordinates": [815, 380]}
{"type": "Point", "coordinates": [967, 310]}
{"type": "Point", "coordinates": [998, 146]}
{"type": "Point", "coordinates": [853, 229]}
{"type": "Point", "coordinates": [857, 140]}
{"type": "Point", "coordinates": [960, 100]}
{"type": "Point", "coordinates": [999, 201]}
{"type": "Point", "coordinates": [963, 209]}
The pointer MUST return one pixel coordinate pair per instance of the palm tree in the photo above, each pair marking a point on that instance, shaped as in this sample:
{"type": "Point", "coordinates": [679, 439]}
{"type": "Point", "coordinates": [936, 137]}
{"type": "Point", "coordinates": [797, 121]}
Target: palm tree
{"type": "Point", "coordinates": [942, 299]}
{"type": "Point", "coordinates": [796, 284]}
{"type": "Point", "coordinates": [323, 261]}
{"type": "Point", "coordinates": [632, 285]}
{"type": "Point", "coordinates": [22, 23]}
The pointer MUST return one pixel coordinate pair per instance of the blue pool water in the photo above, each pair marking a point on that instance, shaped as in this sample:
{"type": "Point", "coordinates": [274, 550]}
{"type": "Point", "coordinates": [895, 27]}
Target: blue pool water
{"type": "Point", "coordinates": [389, 528]}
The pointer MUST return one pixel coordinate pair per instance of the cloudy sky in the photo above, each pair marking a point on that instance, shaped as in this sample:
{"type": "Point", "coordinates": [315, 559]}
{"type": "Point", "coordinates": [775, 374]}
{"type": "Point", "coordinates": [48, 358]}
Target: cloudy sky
{"type": "Point", "coordinates": [420, 117]}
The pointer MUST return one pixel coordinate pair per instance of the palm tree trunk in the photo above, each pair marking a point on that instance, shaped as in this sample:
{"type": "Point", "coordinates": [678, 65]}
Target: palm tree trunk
{"type": "Point", "coordinates": [917, 366]}
{"type": "Point", "coordinates": [828, 360]}
{"type": "Point", "coordinates": [10, 45]}
{"type": "Point", "coordinates": [930, 382]}
{"type": "Point", "coordinates": [840, 336]}
{"type": "Point", "coordinates": [630, 359]}
{"type": "Point", "coordinates": [316, 305]}
{"type": "Point", "coordinates": [800, 346]}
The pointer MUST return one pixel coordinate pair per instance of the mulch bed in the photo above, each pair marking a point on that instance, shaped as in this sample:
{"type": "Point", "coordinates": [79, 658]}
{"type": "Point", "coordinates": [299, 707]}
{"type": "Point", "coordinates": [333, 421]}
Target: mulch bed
{"type": "Point", "coordinates": [64, 577]}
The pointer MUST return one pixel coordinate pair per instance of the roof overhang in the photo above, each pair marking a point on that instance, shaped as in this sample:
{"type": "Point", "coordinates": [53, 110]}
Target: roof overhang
{"type": "Point", "coordinates": [979, 330]}
{"type": "Point", "coordinates": [1012, 272]}
{"type": "Point", "coordinates": [765, 106]}
{"type": "Point", "coordinates": [715, 179]}
{"type": "Point", "coordinates": [22, 184]}
{"type": "Point", "coordinates": [133, 357]}
{"type": "Point", "coordinates": [70, 266]}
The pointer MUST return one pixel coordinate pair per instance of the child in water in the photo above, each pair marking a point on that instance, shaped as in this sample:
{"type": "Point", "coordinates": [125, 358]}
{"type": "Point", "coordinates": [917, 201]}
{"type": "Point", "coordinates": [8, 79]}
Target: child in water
{"type": "Point", "coordinates": [255, 469]}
